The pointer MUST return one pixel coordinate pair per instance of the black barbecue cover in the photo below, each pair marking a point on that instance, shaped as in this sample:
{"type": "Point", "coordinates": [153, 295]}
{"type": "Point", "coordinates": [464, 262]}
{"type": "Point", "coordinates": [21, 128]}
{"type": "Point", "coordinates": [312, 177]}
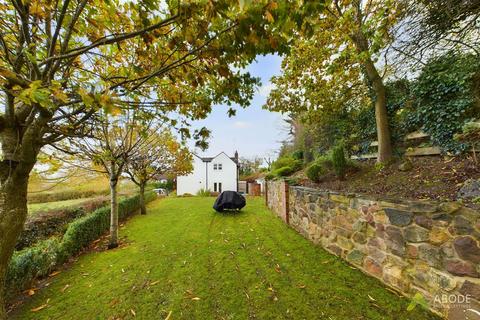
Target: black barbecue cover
{"type": "Point", "coordinates": [229, 200]}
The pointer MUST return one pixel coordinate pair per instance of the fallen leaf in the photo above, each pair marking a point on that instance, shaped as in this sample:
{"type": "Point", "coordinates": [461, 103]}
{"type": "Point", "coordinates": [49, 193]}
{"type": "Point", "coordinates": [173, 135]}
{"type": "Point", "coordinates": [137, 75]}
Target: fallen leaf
{"type": "Point", "coordinates": [154, 282]}
{"type": "Point", "coordinates": [53, 274]}
{"type": "Point", "coordinates": [31, 292]}
{"type": "Point", "coordinates": [65, 288]}
{"type": "Point", "coordinates": [168, 316]}
{"type": "Point", "coordinates": [43, 306]}
{"type": "Point", "coordinates": [370, 297]}
{"type": "Point", "coordinates": [133, 312]}
{"type": "Point", "coordinates": [196, 298]}
{"type": "Point", "coordinates": [113, 302]}
{"type": "Point", "coordinates": [302, 286]}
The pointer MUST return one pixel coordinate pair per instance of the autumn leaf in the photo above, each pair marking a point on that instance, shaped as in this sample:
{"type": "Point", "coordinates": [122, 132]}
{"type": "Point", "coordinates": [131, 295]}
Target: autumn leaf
{"type": "Point", "coordinates": [53, 274]}
{"type": "Point", "coordinates": [133, 312]}
{"type": "Point", "coordinates": [43, 306]}
{"type": "Point", "coordinates": [272, 5]}
{"type": "Point", "coordinates": [195, 298]}
{"type": "Point", "coordinates": [269, 16]}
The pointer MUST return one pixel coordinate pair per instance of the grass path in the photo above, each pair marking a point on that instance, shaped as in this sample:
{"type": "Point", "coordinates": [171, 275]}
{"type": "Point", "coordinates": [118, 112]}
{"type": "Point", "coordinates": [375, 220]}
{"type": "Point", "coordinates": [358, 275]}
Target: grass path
{"type": "Point", "coordinates": [185, 260]}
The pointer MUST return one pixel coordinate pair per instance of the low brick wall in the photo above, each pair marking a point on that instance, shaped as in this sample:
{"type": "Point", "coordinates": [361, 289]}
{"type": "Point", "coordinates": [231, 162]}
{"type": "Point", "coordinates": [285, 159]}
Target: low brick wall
{"type": "Point", "coordinates": [412, 246]}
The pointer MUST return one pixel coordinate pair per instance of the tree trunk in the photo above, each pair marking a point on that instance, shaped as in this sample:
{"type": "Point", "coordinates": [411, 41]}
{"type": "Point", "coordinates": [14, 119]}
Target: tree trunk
{"type": "Point", "coordinates": [13, 212]}
{"type": "Point", "coordinates": [113, 212]}
{"type": "Point", "coordinates": [143, 209]}
{"type": "Point", "coordinates": [385, 151]}
{"type": "Point", "coordinates": [381, 117]}
{"type": "Point", "coordinates": [19, 150]}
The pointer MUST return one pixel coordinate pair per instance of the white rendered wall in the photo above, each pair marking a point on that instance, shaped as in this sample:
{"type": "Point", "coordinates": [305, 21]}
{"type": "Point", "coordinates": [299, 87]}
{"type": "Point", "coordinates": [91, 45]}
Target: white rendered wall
{"type": "Point", "coordinates": [194, 181]}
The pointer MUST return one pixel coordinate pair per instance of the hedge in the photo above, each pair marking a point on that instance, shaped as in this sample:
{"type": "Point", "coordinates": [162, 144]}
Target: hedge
{"type": "Point", "coordinates": [53, 222]}
{"type": "Point", "coordinates": [40, 260]}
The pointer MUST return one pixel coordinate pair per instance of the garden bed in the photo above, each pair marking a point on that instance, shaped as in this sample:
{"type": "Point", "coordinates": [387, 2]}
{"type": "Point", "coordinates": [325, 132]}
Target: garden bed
{"type": "Point", "coordinates": [431, 178]}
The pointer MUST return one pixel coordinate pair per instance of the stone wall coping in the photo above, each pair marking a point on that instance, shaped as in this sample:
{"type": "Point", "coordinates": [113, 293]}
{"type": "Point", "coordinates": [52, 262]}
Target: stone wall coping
{"type": "Point", "coordinates": [414, 206]}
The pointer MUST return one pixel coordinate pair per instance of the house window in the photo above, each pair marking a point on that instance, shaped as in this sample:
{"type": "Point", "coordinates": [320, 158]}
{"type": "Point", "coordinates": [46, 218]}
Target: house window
{"type": "Point", "coordinates": [219, 166]}
{"type": "Point", "coordinates": [217, 187]}
{"type": "Point", "coordinates": [214, 166]}
{"type": "Point", "coordinates": [214, 187]}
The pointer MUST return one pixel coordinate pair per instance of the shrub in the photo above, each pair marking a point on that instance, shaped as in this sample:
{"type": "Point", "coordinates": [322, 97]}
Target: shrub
{"type": "Point", "coordinates": [39, 260]}
{"type": "Point", "coordinates": [292, 181]}
{"type": "Point", "coordinates": [269, 176]}
{"type": "Point", "coordinates": [325, 161]}
{"type": "Point", "coordinates": [315, 171]}
{"type": "Point", "coordinates": [287, 162]}
{"type": "Point", "coordinates": [34, 262]}
{"type": "Point", "coordinates": [283, 171]}
{"type": "Point", "coordinates": [339, 161]}
{"type": "Point", "coordinates": [169, 185]}
{"type": "Point", "coordinates": [298, 155]}
{"type": "Point", "coordinates": [204, 193]}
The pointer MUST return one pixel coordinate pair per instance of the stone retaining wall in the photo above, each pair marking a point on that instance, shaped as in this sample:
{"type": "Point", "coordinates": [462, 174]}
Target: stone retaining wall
{"type": "Point", "coordinates": [412, 246]}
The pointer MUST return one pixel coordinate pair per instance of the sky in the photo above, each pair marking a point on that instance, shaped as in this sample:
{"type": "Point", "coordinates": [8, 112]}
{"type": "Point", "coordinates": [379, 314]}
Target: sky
{"type": "Point", "coordinates": [252, 131]}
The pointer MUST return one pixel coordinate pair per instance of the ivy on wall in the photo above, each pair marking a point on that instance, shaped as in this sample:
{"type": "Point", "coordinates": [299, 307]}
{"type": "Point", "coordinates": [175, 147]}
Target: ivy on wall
{"type": "Point", "coordinates": [445, 98]}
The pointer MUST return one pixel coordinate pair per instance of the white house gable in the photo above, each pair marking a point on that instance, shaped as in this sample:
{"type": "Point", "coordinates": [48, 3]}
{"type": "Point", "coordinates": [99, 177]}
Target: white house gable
{"type": "Point", "coordinates": [217, 174]}
{"type": "Point", "coordinates": [222, 174]}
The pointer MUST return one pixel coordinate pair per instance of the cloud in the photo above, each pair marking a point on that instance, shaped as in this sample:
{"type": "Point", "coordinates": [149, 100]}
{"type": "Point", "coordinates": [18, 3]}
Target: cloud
{"type": "Point", "coordinates": [264, 90]}
{"type": "Point", "coordinates": [242, 124]}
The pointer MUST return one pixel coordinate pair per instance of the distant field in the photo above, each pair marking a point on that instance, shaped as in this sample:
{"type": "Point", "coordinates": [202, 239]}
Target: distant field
{"type": "Point", "coordinates": [76, 188]}
{"type": "Point", "coordinates": [42, 207]}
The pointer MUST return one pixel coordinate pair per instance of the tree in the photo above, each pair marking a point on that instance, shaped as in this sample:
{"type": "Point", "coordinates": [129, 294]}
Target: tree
{"type": "Point", "coordinates": [249, 166]}
{"type": "Point", "coordinates": [160, 154]}
{"type": "Point", "coordinates": [432, 28]}
{"type": "Point", "coordinates": [109, 147]}
{"type": "Point", "coordinates": [332, 63]}
{"type": "Point", "coordinates": [63, 61]}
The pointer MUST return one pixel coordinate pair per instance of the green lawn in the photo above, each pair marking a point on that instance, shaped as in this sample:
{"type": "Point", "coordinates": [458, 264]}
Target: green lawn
{"type": "Point", "coordinates": [186, 261]}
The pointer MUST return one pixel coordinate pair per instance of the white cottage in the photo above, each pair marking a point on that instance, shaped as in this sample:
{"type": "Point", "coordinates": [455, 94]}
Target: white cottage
{"type": "Point", "coordinates": [217, 174]}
